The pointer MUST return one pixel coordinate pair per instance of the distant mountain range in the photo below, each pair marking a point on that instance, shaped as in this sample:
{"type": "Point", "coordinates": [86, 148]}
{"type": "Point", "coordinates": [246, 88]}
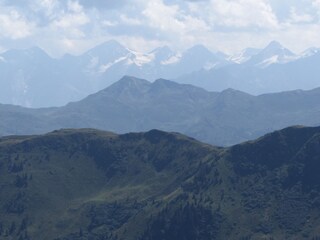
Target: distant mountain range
{"type": "Point", "coordinates": [88, 184]}
{"type": "Point", "coordinates": [255, 71]}
{"type": "Point", "coordinates": [134, 105]}
{"type": "Point", "coordinates": [31, 78]}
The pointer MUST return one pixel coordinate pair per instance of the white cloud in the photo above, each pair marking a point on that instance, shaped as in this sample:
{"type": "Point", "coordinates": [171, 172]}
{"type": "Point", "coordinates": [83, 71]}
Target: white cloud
{"type": "Point", "coordinates": [2, 49]}
{"type": "Point", "coordinates": [14, 26]}
{"type": "Point", "coordinates": [108, 23]}
{"type": "Point", "coordinates": [171, 18]}
{"type": "Point", "coordinates": [174, 24]}
{"type": "Point", "coordinates": [243, 14]}
{"type": "Point", "coordinates": [316, 5]}
{"type": "Point", "coordinates": [75, 25]}
{"type": "Point", "coordinates": [74, 6]}
{"type": "Point", "coordinates": [296, 17]}
{"type": "Point", "coordinates": [71, 20]}
{"type": "Point", "coordinates": [162, 17]}
{"type": "Point", "coordinates": [73, 17]}
{"type": "Point", "coordinates": [130, 21]}
{"type": "Point", "coordinates": [48, 7]}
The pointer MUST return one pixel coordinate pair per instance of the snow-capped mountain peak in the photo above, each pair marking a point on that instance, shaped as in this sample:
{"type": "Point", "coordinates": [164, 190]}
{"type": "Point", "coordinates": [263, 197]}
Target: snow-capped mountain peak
{"type": "Point", "coordinates": [273, 53]}
{"type": "Point", "coordinates": [310, 52]}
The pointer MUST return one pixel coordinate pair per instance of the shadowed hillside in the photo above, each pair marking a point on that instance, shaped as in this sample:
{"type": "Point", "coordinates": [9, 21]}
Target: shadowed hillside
{"type": "Point", "coordinates": [89, 184]}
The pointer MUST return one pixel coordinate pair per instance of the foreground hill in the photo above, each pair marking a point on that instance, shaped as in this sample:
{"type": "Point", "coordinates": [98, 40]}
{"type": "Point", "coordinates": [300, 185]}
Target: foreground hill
{"type": "Point", "coordinates": [132, 104]}
{"type": "Point", "coordinates": [88, 184]}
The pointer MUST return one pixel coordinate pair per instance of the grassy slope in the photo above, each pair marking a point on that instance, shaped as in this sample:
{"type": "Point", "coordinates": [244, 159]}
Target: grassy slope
{"type": "Point", "coordinates": [88, 184]}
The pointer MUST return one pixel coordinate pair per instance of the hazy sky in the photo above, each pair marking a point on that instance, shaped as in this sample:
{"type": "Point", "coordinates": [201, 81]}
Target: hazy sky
{"type": "Point", "coordinates": [228, 25]}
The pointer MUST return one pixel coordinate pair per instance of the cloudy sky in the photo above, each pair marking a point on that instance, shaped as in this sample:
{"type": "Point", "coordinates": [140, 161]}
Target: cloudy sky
{"type": "Point", "coordinates": [73, 26]}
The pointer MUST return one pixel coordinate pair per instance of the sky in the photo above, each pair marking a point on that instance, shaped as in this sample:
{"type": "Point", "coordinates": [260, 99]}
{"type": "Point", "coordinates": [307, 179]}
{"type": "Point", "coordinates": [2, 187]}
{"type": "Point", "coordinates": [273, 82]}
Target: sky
{"type": "Point", "coordinates": [74, 26]}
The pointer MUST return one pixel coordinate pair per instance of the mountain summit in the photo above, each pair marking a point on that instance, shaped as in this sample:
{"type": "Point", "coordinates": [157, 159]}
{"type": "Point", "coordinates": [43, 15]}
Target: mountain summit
{"type": "Point", "coordinates": [271, 54]}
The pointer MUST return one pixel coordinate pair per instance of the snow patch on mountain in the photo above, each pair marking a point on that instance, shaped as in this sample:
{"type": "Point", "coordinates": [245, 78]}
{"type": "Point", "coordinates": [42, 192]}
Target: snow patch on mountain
{"type": "Point", "coordinates": [244, 55]}
{"type": "Point", "coordinates": [172, 60]}
{"type": "Point", "coordinates": [139, 58]}
{"type": "Point", "coordinates": [267, 62]}
{"type": "Point", "coordinates": [276, 59]}
{"type": "Point", "coordinates": [210, 65]}
{"type": "Point", "coordinates": [104, 67]}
